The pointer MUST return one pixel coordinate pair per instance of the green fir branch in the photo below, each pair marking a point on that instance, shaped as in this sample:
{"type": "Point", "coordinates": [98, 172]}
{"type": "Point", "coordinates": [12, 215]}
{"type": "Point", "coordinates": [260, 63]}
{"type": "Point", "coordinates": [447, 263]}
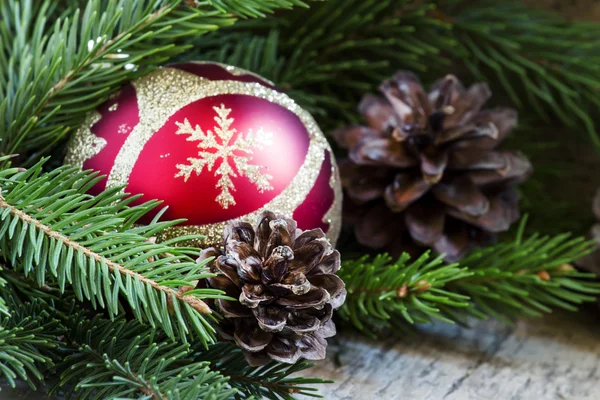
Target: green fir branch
{"type": "Point", "coordinates": [271, 381]}
{"type": "Point", "coordinates": [106, 359]}
{"type": "Point", "coordinates": [124, 359]}
{"type": "Point", "coordinates": [4, 310]}
{"type": "Point", "coordinates": [28, 343]}
{"type": "Point", "coordinates": [253, 8]}
{"type": "Point", "coordinates": [330, 55]}
{"type": "Point", "coordinates": [53, 232]}
{"type": "Point", "coordinates": [57, 64]}
{"type": "Point", "coordinates": [543, 62]}
{"type": "Point", "coordinates": [508, 280]}
{"type": "Point", "coordinates": [19, 290]}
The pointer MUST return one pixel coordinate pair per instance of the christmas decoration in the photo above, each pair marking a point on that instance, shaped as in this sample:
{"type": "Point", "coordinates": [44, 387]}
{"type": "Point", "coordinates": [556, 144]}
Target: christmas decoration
{"type": "Point", "coordinates": [425, 169]}
{"type": "Point", "coordinates": [214, 143]}
{"type": "Point", "coordinates": [285, 281]}
{"type": "Point", "coordinates": [80, 277]}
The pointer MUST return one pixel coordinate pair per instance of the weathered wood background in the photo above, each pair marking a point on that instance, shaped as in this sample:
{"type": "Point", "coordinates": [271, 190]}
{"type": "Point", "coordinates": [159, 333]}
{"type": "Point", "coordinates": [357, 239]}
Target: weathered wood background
{"type": "Point", "coordinates": [555, 357]}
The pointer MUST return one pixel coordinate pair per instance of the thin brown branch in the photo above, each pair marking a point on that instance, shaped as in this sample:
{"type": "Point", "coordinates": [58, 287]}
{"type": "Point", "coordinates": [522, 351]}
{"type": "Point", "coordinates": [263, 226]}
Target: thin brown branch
{"type": "Point", "coordinates": [144, 388]}
{"type": "Point", "coordinates": [423, 285]}
{"type": "Point", "coordinates": [148, 391]}
{"type": "Point", "coordinates": [18, 277]}
{"type": "Point", "coordinates": [194, 302]}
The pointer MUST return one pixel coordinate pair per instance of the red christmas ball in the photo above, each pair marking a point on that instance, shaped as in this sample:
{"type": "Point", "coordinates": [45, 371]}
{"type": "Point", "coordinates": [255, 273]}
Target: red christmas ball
{"type": "Point", "coordinates": [214, 143]}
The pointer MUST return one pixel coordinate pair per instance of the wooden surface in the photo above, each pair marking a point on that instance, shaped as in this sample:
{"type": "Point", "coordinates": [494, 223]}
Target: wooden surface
{"type": "Point", "coordinates": [557, 357]}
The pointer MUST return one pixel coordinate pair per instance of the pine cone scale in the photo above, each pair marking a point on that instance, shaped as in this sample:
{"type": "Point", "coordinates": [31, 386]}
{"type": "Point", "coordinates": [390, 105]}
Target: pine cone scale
{"type": "Point", "coordinates": [312, 251]}
{"type": "Point", "coordinates": [252, 296]}
{"type": "Point", "coordinates": [271, 319]}
{"type": "Point", "coordinates": [252, 340]}
{"type": "Point", "coordinates": [463, 195]}
{"type": "Point", "coordinates": [425, 224]}
{"type": "Point", "coordinates": [433, 166]}
{"type": "Point", "coordinates": [469, 159]}
{"type": "Point", "coordinates": [467, 105]}
{"type": "Point", "coordinates": [315, 298]}
{"type": "Point", "coordinates": [232, 309]}
{"type": "Point", "coordinates": [404, 191]}
{"type": "Point", "coordinates": [378, 114]}
{"type": "Point", "coordinates": [363, 183]}
{"type": "Point", "coordinates": [377, 228]}
{"type": "Point", "coordinates": [383, 152]}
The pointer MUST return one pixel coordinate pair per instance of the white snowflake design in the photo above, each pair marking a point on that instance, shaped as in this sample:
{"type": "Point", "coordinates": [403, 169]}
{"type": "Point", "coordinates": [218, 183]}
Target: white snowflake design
{"type": "Point", "coordinates": [218, 145]}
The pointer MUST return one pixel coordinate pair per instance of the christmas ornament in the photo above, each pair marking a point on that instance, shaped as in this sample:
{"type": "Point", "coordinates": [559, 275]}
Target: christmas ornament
{"type": "Point", "coordinates": [214, 143]}
{"type": "Point", "coordinates": [285, 281]}
{"type": "Point", "coordinates": [425, 170]}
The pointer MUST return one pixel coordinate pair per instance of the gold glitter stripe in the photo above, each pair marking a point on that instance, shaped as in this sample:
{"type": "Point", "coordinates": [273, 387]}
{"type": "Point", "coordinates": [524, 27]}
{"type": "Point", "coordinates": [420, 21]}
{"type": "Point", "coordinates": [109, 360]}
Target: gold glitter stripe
{"type": "Point", "coordinates": [84, 144]}
{"type": "Point", "coordinates": [334, 214]}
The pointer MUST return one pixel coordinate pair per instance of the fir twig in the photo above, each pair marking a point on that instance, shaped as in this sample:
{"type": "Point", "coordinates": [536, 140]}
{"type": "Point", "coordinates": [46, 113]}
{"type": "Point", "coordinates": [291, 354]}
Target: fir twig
{"type": "Point", "coordinates": [57, 64]}
{"type": "Point", "coordinates": [271, 381]}
{"type": "Point", "coordinates": [52, 231]}
{"type": "Point", "coordinates": [327, 57]}
{"type": "Point", "coordinates": [508, 280]}
{"type": "Point", "coordinates": [28, 343]}
{"type": "Point", "coordinates": [120, 359]}
{"type": "Point", "coordinates": [542, 61]}
{"type": "Point", "coordinates": [116, 359]}
{"type": "Point", "coordinates": [253, 8]}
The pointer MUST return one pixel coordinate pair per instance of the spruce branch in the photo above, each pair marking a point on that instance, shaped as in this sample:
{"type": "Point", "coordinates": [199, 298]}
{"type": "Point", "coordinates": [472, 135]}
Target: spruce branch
{"type": "Point", "coordinates": [508, 280]}
{"type": "Point", "coordinates": [28, 341]}
{"type": "Point", "coordinates": [57, 63]}
{"type": "Point", "coordinates": [541, 60]}
{"type": "Point", "coordinates": [271, 381]}
{"type": "Point", "coordinates": [330, 55]}
{"type": "Point", "coordinates": [327, 56]}
{"type": "Point", "coordinates": [252, 8]}
{"type": "Point", "coordinates": [3, 306]}
{"type": "Point", "coordinates": [19, 290]}
{"type": "Point", "coordinates": [125, 358]}
{"type": "Point", "coordinates": [53, 232]}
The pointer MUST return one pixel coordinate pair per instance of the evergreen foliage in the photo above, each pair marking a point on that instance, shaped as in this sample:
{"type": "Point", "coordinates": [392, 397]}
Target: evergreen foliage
{"type": "Point", "coordinates": [60, 62]}
{"type": "Point", "coordinates": [28, 343]}
{"type": "Point", "coordinates": [124, 359]}
{"type": "Point", "coordinates": [271, 381]}
{"type": "Point", "coordinates": [523, 277]}
{"type": "Point", "coordinates": [64, 252]}
{"type": "Point", "coordinates": [52, 230]}
{"type": "Point", "coordinates": [329, 55]}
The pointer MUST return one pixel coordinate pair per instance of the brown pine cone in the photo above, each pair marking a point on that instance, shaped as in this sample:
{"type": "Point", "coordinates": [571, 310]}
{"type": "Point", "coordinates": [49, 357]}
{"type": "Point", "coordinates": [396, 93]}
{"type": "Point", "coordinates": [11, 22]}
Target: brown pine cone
{"type": "Point", "coordinates": [286, 285]}
{"type": "Point", "coordinates": [591, 262]}
{"type": "Point", "coordinates": [425, 171]}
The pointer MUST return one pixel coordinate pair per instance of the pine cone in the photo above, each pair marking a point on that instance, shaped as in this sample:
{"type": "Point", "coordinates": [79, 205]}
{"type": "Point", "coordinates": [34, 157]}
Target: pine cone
{"type": "Point", "coordinates": [425, 171]}
{"type": "Point", "coordinates": [286, 285]}
{"type": "Point", "coordinates": [591, 262]}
